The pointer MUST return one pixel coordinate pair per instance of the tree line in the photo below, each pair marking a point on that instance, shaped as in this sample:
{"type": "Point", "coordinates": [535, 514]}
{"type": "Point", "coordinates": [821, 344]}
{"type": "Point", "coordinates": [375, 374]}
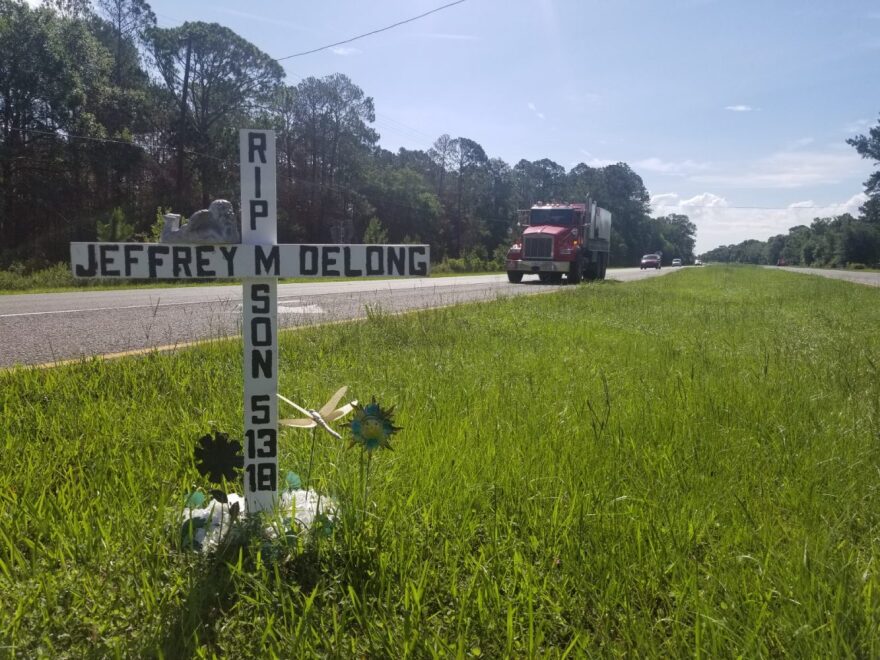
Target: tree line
{"type": "Point", "coordinates": [108, 120]}
{"type": "Point", "coordinates": [836, 242]}
{"type": "Point", "coordinates": [833, 242]}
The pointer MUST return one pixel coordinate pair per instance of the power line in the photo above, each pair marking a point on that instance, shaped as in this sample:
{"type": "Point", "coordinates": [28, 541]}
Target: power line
{"type": "Point", "coordinates": [322, 185]}
{"type": "Point", "coordinates": [338, 188]}
{"type": "Point", "coordinates": [135, 145]}
{"type": "Point", "coordinates": [753, 208]}
{"type": "Point", "coordinates": [77, 137]}
{"type": "Point", "coordinates": [367, 34]}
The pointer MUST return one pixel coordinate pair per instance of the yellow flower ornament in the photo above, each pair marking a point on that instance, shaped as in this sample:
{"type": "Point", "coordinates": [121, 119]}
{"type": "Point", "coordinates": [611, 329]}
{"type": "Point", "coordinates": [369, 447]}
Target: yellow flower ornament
{"type": "Point", "coordinates": [372, 426]}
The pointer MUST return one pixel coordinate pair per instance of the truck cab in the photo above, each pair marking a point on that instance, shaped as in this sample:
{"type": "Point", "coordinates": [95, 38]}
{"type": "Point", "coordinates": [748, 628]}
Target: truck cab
{"type": "Point", "coordinates": [561, 239]}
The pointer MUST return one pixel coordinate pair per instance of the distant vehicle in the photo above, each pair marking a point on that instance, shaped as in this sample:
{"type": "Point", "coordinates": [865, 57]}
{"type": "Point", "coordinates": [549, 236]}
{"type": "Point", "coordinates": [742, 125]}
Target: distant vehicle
{"type": "Point", "coordinates": [676, 262]}
{"type": "Point", "coordinates": [698, 262]}
{"type": "Point", "coordinates": [650, 261]}
{"type": "Point", "coordinates": [781, 262]}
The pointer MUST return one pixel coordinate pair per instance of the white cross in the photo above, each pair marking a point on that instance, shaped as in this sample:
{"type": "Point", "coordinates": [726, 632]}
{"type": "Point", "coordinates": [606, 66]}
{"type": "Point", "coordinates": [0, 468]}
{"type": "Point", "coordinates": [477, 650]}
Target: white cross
{"type": "Point", "coordinates": [260, 261]}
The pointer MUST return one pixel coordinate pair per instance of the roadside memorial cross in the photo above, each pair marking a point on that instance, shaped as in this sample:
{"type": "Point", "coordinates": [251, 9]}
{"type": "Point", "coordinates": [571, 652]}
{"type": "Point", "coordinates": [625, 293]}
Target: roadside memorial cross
{"type": "Point", "coordinates": [259, 260]}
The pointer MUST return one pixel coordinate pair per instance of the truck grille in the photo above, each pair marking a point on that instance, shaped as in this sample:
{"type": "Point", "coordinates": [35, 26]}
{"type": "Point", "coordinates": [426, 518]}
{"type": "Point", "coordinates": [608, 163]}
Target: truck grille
{"type": "Point", "coordinates": [538, 247]}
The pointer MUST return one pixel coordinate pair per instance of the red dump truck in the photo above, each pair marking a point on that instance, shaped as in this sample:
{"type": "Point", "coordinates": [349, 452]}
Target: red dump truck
{"type": "Point", "coordinates": [561, 239]}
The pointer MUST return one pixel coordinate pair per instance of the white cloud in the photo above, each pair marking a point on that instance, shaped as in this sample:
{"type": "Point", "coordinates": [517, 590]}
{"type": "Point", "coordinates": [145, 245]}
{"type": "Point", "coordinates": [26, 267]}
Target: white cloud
{"type": "Point", "coordinates": [663, 200]}
{"type": "Point", "coordinates": [705, 200]}
{"type": "Point", "coordinates": [593, 161]}
{"type": "Point", "coordinates": [852, 205]}
{"type": "Point", "coordinates": [260, 18]}
{"type": "Point", "coordinates": [344, 50]}
{"type": "Point", "coordinates": [721, 223]}
{"type": "Point", "coordinates": [673, 168]}
{"type": "Point", "coordinates": [791, 169]}
{"type": "Point", "coordinates": [534, 109]}
{"type": "Point", "coordinates": [739, 108]}
{"type": "Point", "coordinates": [802, 142]}
{"type": "Point", "coordinates": [858, 126]}
{"type": "Point", "coordinates": [446, 36]}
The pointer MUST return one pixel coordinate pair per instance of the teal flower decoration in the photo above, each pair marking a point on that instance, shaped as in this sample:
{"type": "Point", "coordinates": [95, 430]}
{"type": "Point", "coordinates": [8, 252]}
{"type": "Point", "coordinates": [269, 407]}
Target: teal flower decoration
{"type": "Point", "coordinates": [372, 426]}
{"type": "Point", "coordinates": [189, 535]}
{"type": "Point", "coordinates": [323, 525]}
{"type": "Point", "coordinates": [293, 481]}
{"type": "Point", "coordinates": [195, 500]}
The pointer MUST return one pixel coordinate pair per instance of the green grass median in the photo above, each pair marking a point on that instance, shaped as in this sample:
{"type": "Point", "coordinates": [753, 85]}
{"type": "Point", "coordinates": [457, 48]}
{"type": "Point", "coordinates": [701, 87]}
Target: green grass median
{"type": "Point", "coordinates": [687, 465]}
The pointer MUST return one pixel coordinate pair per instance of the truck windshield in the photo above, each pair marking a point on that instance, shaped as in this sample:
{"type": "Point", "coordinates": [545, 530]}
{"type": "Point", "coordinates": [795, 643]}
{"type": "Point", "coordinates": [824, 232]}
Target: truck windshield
{"type": "Point", "coordinates": [551, 217]}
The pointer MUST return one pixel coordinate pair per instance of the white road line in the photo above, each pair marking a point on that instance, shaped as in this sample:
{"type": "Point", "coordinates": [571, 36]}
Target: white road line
{"type": "Point", "coordinates": [104, 309]}
{"type": "Point", "coordinates": [305, 309]}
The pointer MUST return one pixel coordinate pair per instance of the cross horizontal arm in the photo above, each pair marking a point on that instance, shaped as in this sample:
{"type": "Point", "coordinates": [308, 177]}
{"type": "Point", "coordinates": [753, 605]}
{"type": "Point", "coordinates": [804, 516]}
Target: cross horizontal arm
{"type": "Point", "coordinates": [157, 261]}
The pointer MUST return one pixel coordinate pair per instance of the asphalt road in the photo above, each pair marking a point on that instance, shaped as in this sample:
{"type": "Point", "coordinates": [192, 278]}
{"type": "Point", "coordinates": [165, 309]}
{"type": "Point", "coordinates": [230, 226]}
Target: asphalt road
{"type": "Point", "coordinates": [857, 276]}
{"type": "Point", "coordinates": [48, 328]}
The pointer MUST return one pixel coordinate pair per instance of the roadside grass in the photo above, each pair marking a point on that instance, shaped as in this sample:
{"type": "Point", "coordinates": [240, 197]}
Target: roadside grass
{"type": "Point", "coordinates": [681, 466]}
{"type": "Point", "coordinates": [58, 279]}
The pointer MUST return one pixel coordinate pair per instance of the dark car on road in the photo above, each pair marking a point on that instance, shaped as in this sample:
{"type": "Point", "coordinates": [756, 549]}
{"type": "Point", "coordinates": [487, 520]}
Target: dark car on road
{"type": "Point", "coordinates": [650, 261]}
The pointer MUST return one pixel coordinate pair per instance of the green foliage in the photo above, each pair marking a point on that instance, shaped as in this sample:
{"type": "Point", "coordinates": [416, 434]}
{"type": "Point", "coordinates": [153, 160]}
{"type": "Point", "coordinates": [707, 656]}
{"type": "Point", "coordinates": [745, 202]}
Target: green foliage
{"type": "Point", "coordinates": [827, 242]}
{"type": "Point", "coordinates": [155, 232]}
{"type": "Point", "coordinates": [328, 143]}
{"type": "Point", "coordinates": [676, 233]}
{"type": "Point", "coordinates": [404, 203]}
{"type": "Point", "coordinates": [21, 277]}
{"type": "Point", "coordinates": [868, 146]}
{"type": "Point", "coordinates": [375, 232]}
{"type": "Point", "coordinates": [641, 470]}
{"type": "Point", "coordinates": [88, 130]}
{"type": "Point", "coordinates": [116, 228]}
{"type": "Point", "coordinates": [474, 261]}
{"type": "Point", "coordinates": [227, 75]}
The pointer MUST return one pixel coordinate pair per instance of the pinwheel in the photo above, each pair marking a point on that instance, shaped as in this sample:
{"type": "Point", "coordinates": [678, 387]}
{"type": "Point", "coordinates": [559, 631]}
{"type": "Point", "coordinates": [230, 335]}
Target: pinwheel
{"type": "Point", "coordinates": [372, 426]}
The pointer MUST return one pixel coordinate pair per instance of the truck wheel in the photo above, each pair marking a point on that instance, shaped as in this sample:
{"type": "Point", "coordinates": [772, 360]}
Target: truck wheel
{"type": "Point", "coordinates": [575, 271]}
{"type": "Point", "coordinates": [514, 276]}
{"type": "Point", "coordinates": [603, 264]}
{"type": "Point", "coordinates": [555, 278]}
{"type": "Point", "coordinates": [591, 272]}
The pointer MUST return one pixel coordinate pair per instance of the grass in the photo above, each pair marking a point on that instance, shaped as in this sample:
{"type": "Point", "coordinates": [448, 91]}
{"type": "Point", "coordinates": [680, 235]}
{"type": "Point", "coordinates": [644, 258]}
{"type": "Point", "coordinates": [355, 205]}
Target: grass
{"type": "Point", "coordinates": [686, 465]}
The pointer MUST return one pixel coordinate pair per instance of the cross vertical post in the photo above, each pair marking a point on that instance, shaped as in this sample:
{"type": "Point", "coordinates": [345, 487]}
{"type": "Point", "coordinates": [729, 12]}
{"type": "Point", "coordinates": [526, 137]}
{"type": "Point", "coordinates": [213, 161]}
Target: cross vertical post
{"type": "Point", "coordinates": [259, 261]}
{"type": "Point", "coordinates": [260, 319]}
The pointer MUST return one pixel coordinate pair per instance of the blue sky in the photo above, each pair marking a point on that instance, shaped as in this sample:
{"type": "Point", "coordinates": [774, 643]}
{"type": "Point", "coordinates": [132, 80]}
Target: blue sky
{"type": "Point", "coordinates": [720, 106]}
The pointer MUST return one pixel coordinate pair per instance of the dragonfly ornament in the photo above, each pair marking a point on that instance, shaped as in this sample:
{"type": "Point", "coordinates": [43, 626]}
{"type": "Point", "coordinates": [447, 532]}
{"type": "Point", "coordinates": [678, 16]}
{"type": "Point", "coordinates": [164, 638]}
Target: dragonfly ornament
{"type": "Point", "coordinates": [321, 417]}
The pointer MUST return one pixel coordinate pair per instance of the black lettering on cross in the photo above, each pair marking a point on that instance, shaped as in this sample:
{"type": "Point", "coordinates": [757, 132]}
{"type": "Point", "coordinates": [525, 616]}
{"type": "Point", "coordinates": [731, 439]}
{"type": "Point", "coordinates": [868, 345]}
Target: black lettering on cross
{"type": "Point", "coordinates": [256, 144]}
{"type": "Point", "coordinates": [259, 209]}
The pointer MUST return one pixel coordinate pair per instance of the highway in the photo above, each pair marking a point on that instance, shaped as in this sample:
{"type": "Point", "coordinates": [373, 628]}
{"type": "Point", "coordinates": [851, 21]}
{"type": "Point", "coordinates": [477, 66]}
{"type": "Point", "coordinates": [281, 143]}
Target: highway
{"type": "Point", "coordinates": [855, 276]}
{"type": "Point", "coordinates": [50, 328]}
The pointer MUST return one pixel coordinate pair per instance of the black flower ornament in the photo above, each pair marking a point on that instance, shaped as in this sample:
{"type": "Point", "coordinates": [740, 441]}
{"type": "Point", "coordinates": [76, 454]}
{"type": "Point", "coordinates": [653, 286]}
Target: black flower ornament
{"type": "Point", "coordinates": [218, 457]}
